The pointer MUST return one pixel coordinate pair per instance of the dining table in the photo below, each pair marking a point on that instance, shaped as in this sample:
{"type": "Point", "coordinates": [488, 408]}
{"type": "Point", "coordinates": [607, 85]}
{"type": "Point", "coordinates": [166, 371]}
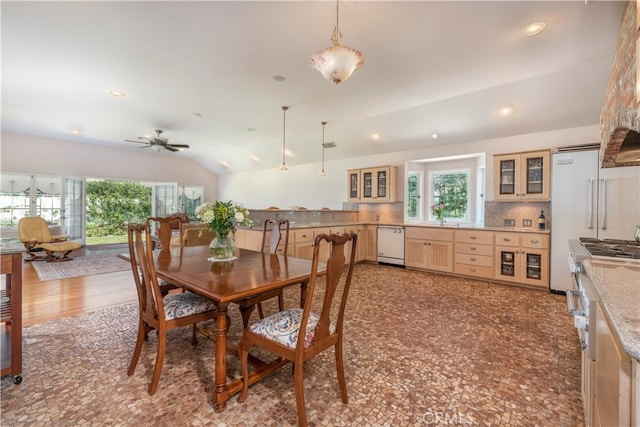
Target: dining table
{"type": "Point", "coordinates": [243, 280]}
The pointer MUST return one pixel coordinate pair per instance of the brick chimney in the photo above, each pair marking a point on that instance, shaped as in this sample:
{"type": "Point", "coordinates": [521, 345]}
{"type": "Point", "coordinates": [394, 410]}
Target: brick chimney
{"type": "Point", "coordinates": [619, 120]}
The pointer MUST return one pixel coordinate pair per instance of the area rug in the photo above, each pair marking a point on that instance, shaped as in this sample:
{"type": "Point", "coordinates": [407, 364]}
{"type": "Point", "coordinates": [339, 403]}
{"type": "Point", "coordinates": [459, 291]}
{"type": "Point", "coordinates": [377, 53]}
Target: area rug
{"type": "Point", "coordinates": [416, 353]}
{"type": "Point", "coordinates": [80, 266]}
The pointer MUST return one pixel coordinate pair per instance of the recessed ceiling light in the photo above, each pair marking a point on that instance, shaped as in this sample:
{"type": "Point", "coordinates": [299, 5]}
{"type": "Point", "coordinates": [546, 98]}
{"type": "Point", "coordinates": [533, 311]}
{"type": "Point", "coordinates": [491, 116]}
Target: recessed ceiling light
{"type": "Point", "coordinates": [224, 164]}
{"type": "Point", "coordinates": [255, 158]}
{"type": "Point", "coordinates": [505, 111]}
{"type": "Point", "coordinates": [375, 136]}
{"type": "Point", "coordinates": [118, 94]}
{"type": "Point", "coordinates": [75, 131]}
{"type": "Point", "coordinates": [534, 28]}
{"type": "Point", "coordinates": [434, 135]}
{"type": "Point", "coordinates": [197, 114]}
{"type": "Point", "coordinates": [277, 79]}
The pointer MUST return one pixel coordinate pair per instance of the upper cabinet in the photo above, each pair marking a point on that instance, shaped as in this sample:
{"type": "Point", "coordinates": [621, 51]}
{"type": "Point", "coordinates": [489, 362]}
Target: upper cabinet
{"type": "Point", "coordinates": [372, 185]}
{"type": "Point", "coordinates": [522, 176]}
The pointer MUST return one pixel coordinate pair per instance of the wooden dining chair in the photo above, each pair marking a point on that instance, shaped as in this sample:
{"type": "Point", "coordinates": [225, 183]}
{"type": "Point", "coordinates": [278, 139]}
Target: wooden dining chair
{"type": "Point", "coordinates": [278, 332]}
{"type": "Point", "coordinates": [274, 229]}
{"type": "Point", "coordinates": [165, 226]}
{"type": "Point", "coordinates": [156, 311]}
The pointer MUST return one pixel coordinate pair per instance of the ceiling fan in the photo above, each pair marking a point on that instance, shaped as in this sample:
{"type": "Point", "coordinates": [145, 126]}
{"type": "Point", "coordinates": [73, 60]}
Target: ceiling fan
{"type": "Point", "coordinates": [159, 142]}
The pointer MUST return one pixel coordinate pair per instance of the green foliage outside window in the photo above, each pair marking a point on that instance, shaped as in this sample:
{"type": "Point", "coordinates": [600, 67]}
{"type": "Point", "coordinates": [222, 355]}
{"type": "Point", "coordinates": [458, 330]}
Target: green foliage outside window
{"type": "Point", "coordinates": [111, 204]}
{"type": "Point", "coordinates": [452, 189]}
{"type": "Point", "coordinates": [412, 196]}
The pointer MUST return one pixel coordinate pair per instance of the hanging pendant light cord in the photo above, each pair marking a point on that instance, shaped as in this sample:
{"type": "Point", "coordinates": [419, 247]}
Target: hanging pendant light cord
{"type": "Point", "coordinates": [336, 38]}
{"type": "Point", "coordinates": [323, 173]}
{"type": "Point", "coordinates": [284, 128]}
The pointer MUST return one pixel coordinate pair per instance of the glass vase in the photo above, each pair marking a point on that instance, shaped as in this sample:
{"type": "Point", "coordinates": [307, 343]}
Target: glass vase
{"type": "Point", "coordinates": [223, 247]}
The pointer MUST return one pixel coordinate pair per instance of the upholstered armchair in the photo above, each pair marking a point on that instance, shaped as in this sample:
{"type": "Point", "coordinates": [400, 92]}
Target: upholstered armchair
{"type": "Point", "coordinates": [35, 235]}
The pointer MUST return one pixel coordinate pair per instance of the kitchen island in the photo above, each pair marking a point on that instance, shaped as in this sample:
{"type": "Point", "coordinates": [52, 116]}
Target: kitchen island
{"type": "Point", "coordinates": [614, 387]}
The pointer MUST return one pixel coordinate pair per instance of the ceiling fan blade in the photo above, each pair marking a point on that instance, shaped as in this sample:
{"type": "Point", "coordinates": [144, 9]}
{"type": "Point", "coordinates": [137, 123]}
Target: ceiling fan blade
{"type": "Point", "coordinates": [137, 142]}
{"type": "Point", "coordinates": [178, 145]}
{"type": "Point", "coordinates": [170, 148]}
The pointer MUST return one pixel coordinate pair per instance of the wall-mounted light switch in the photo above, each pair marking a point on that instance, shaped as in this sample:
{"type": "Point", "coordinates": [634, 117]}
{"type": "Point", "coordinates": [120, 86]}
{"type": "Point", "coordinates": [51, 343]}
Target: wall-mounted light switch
{"type": "Point", "coordinates": [526, 223]}
{"type": "Point", "coordinates": [509, 222]}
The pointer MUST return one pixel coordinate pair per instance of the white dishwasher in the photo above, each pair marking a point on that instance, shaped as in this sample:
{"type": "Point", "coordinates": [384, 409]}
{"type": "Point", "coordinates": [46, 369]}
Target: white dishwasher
{"type": "Point", "coordinates": [391, 244]}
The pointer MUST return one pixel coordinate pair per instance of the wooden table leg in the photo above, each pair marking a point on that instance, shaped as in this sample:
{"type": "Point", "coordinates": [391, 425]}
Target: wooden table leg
{"type": "Point", "coordinates": [303, 292]}
{"type": "Point", "coordinates": [220, 392]}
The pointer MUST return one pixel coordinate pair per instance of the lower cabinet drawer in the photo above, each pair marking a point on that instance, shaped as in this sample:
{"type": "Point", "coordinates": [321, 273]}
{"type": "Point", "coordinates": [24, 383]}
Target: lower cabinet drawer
{"type": "Point", "coordinates": [474, 248]}
{"type": "Point", "coordinates": [472, 259]}
{"type": "Point", "coordinates": [474, 270]}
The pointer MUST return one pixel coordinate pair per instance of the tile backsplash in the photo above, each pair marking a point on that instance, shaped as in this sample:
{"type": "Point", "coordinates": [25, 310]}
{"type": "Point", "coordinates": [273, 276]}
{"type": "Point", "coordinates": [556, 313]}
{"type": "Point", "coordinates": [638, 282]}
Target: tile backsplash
{"type": "Point", "coordinates": [496, 213]}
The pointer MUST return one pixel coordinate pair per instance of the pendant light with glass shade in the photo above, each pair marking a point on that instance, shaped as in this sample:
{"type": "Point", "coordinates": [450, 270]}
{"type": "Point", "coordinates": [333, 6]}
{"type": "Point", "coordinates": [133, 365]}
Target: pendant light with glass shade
{"type": "Point", "coordinates": [323, 173]}
{"type": "Point", "coordinates": [338, 62]}
{"type": "Point", "coordinates": [283, 167]}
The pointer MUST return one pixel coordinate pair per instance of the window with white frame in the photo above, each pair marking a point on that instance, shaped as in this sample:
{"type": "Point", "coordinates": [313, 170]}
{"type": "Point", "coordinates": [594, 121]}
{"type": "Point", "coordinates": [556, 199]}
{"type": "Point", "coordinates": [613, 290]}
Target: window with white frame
{"type": "Point", "coordinates": [450, 187]}
{"type": "Point", "coordinates": [414, 195]}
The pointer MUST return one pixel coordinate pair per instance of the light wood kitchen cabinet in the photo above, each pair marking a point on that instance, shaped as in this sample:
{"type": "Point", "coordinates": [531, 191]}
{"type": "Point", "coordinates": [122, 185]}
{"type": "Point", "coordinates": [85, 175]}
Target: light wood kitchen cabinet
{"type": "Point", "coordinates": [522, 258]}
{"type": "Point", "coordinates": [371, 243]}
{"type": "Point", "coordinates": [303, 243]}
{"type": "Point", "coordinates": [372, 185]}
{"type": "Point", "coordinates": [367, 243]}
{"type": "Point", "coordinates": [474, 253]}
{"type": "Point", "coordinates": [428, 248]}
{"type": "Point", "coordinates": [612, 388]}
{"type": "Point", "coordinates": [248, 239]}
{"type": "Point", "coordinates": [522, 177]}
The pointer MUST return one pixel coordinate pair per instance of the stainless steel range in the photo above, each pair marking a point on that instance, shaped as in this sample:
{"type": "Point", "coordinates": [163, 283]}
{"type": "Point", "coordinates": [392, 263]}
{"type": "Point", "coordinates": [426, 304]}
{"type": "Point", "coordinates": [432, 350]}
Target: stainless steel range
{"type": "Point", "coordinates": [612, 248]}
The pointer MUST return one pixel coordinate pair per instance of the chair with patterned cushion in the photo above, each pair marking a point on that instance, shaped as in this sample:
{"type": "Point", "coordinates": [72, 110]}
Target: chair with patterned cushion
{"type": "Point", "coordinates": [35, 235]}
{"type": "Point", "coordinates": [272, 237]}
{"type": "Point", "coordinates": [156, 311]}
{"type": "Point", "coordinates": [278, 332]}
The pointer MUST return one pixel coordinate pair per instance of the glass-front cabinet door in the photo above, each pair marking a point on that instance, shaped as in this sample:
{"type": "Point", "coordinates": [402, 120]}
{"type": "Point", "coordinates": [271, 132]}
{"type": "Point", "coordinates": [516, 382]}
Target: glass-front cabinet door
{"type": "Point", "coordinates": [533, 175]}
{"type": "Point", "coordinates": [507, 267]}
{"type": "Point", "coordinates": [535, 267]}
{"type": "Point", "coordinates": [367, 185]}
{"type": "Point", "coordinates": [354, 185]}
{"type": "Point", "coordinates": [507, 177]}
{"type": "Point", "coordinates": [381, 182]}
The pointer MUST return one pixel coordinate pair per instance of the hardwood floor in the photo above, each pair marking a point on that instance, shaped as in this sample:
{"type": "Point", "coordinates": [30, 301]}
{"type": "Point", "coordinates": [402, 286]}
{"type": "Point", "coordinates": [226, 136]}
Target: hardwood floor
{"type": "Point", "coordinates": [54, 299]}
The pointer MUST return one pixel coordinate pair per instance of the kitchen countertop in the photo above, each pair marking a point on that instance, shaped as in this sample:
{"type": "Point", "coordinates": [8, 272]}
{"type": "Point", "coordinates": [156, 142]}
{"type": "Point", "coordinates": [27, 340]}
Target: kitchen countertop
{"type": "Point", "coordinates": [618, 288]}
{"type": "Point", "coordinates": [299, 225]}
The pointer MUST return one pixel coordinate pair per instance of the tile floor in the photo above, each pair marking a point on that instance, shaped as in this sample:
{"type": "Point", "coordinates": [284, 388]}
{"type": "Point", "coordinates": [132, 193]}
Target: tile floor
{"type": "Point", "coordinates": [420, 349]}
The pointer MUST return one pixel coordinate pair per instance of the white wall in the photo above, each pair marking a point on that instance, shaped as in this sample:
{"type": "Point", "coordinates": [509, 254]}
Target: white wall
{"type": "Point", "coordinates": [299, 186]}
{"type": "Point", "coordinates": [30, 154]}
{"type": "Point", "coordinates": [303, 186]}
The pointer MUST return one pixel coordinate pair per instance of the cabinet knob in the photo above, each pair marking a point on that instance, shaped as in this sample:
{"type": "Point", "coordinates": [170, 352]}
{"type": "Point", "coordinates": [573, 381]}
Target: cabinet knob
{"type": "Point", "coordinates": [473, 248]}
{"type": "Point", "coordinates": [506, 239]}
{"type": "Point", "coordinates": [472, 258]}
{"type": "Point", "coordinates": [534, 241]}
{"type": "Point", "coordinates": [473, 270]}
{"type": "Point", "coordinates": [473, 237]}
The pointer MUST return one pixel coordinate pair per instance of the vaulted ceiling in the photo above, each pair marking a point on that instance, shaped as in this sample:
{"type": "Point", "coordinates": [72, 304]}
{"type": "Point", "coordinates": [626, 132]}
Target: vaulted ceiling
{"type": "Point", "coordinates": [203, 72]}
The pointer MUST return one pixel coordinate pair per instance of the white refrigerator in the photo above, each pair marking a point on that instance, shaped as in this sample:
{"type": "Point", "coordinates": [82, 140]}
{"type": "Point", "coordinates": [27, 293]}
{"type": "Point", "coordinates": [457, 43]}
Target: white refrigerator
{"type": "Point", "coordinates": [587, 201]}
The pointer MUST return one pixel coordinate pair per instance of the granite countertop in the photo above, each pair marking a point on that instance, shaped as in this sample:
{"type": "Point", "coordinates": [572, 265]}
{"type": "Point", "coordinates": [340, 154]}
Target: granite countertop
{"type": "Point", "coordinates": [618, 288]}
{"type": "Point", "coordinates": [298, 225]}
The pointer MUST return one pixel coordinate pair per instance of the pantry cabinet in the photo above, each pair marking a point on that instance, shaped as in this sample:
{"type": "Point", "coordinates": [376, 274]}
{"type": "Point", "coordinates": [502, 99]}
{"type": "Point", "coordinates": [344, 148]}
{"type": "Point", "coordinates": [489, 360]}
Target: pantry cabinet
{"type": "Point", "coordinates": [522, 177]}
{"type": "Point", "coordinates": [372, 185]}
{"type": "Point", "coordinates": [522, 258]}
{"type": "Point", "coordinates": [428, 248]}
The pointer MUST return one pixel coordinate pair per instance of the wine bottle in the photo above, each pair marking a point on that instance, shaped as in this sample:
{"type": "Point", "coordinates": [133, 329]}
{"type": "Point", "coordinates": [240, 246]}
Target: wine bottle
{"type": "Point", "coordinates": [541, 221]}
